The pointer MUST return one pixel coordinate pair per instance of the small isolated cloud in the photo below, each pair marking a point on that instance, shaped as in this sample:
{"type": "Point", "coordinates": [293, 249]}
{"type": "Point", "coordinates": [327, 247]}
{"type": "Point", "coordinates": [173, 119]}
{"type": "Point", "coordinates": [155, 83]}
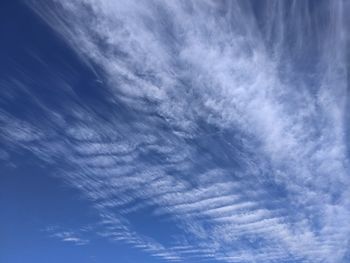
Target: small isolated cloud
{"type": "Point", "coordinates": [67, 236]}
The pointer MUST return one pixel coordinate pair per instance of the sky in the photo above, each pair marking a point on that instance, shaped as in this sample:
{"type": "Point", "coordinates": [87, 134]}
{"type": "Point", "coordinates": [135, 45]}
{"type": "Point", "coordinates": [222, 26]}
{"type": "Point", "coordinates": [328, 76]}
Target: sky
{"type": "Point", "coordinates": [174, 131]}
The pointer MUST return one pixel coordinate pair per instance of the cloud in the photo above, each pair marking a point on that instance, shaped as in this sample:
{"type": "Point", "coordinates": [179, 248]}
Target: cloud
{"type": "Point", "coordinates": [67, 236]}
{"type": "Point", "coordinates": [213, 123]}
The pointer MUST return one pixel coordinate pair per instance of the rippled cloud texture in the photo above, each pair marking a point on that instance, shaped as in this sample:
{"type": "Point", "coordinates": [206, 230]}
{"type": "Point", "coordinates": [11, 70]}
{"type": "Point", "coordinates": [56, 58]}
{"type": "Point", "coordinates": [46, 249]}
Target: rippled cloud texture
{"type": "Point", "coordinates": [225, 123]}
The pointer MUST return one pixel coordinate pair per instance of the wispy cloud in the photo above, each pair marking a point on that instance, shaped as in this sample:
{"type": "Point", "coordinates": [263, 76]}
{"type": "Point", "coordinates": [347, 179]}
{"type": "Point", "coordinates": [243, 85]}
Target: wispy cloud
{"type": "Point", "coordinates": [211, 122]}
{"type": "Point", "coordinates": [73, 237]}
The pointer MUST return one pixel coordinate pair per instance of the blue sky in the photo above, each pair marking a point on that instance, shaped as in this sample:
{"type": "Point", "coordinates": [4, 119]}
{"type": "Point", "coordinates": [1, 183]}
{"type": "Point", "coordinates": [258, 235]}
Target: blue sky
{"type": "Point", "coordinates": [174, 131]}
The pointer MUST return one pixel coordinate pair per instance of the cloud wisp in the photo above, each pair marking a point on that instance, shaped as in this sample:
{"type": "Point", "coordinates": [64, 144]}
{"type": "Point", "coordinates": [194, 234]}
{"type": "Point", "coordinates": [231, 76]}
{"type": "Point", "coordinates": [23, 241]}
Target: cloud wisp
{"type": "Point", "coordinates": [66, 236]}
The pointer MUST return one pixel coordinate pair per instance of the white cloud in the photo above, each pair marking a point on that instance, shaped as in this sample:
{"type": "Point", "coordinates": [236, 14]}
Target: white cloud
{"type": "Point", "coordinates": [181, 66]}
{"type": "Point", "coordinates": [67, 236]}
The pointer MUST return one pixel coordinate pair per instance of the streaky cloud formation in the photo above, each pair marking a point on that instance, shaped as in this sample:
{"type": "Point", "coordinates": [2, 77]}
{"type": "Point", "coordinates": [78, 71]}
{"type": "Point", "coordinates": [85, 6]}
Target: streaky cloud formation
{"type": "Point", "coordinates": [226, 120]}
